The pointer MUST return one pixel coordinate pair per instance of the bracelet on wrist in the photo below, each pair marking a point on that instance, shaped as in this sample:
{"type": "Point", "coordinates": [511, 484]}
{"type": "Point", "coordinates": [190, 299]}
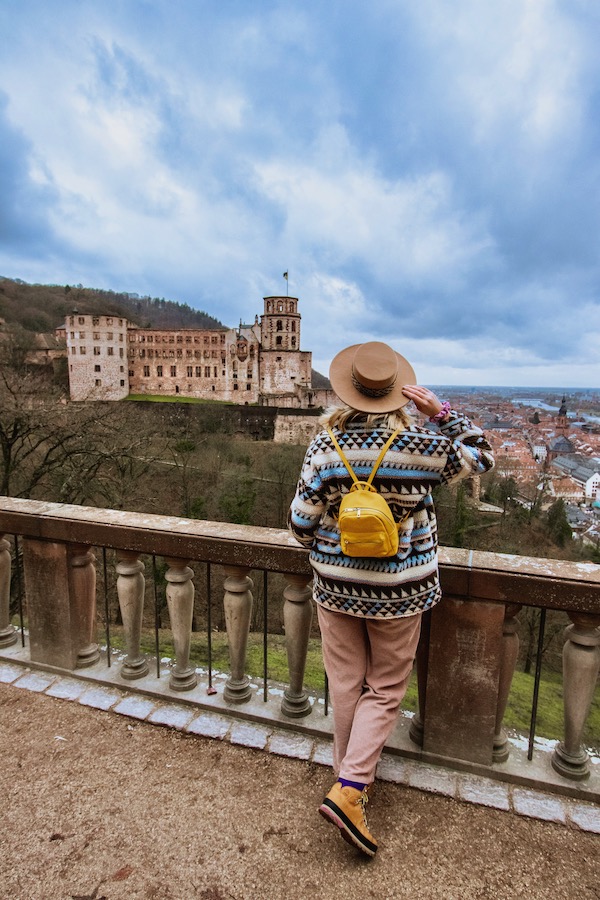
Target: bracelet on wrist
{"type": "Point", "coordinates": [443, 412]}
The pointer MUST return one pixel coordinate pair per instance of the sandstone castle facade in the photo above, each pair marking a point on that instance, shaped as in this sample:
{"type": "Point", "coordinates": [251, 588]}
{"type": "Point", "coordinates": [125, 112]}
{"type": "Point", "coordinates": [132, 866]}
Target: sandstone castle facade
{"type": "Point", "coordinates": [262, 363]}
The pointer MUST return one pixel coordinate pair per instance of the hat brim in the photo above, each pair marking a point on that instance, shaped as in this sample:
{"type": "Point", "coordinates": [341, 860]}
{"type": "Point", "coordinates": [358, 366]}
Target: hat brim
{"type": "Point", "coordinates": [340, 375]}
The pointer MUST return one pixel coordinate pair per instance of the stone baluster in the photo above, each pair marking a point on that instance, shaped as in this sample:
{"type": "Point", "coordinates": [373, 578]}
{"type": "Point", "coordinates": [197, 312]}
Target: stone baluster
{"type": "Point", "coordinates": [508, 662]}
{"type": "Point", "coordinates": [581, 664]}
{"type": "Point", "coordinates": [238, 610]}
{"type": "Point", "coordinates": [180, 600]}
{"type": "Point", "coordinates": [297, 620]}
{"type": "Point", "coordinates": [8, 632]}
{"type": "Point", "coordinates": [130, 591]}
{"type": "Point", "coordinates": [82, 579]}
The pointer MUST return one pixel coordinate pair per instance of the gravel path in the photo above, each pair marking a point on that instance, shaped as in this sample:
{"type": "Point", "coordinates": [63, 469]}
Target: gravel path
{"type": "Point", "coordinates": [97, 806]}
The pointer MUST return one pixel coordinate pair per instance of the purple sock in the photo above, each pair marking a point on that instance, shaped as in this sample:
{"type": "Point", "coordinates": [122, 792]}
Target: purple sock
{"type": "Point", "coordinates": [359, 785]}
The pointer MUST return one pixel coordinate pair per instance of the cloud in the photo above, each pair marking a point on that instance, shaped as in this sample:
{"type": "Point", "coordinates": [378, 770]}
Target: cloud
{"type": "Point", "coordinates": [426, 172]}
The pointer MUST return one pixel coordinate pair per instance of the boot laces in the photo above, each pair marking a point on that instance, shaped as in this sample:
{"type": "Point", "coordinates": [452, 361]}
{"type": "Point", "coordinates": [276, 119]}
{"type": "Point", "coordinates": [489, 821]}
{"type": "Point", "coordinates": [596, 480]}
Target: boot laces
{"type": "Point", "coordinates": [362, 801]}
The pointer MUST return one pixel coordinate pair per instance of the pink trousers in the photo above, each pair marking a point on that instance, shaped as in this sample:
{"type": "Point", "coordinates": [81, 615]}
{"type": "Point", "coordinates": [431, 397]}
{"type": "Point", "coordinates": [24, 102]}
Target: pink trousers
{"type": "Point", "coordinates": [368, 664]}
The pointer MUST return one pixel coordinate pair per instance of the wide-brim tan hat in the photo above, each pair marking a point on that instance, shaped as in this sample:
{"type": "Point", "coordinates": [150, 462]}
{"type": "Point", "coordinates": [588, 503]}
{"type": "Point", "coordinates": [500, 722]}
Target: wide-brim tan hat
{"type": "Point", "coordinates": [370, 377]}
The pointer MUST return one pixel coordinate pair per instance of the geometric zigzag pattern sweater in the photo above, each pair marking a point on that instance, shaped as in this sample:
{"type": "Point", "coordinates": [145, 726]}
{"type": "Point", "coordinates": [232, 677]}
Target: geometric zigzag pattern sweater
{"type": "Point", "coordinates": [417, 461]}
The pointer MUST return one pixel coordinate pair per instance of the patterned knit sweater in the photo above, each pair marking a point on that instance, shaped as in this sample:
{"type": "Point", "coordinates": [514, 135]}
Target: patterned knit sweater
{"type": "Point", "coordinates": [417, 461]}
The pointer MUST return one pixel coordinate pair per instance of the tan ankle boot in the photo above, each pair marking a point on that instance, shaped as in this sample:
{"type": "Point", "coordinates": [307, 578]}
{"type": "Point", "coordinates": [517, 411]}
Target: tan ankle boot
{"type": "Point", "coordinates": [345, 807]}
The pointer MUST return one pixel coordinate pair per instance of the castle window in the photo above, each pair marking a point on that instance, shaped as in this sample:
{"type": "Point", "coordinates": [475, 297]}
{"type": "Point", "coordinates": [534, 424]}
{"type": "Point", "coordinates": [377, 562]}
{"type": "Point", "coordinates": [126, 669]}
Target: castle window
{"type": "Point", "coordinates": [293, 326]}
{"type": "Point", "coordinates": [110, 335]}
{"type": "Point", "coordinates": [215, 371]}
{"type": "Point", "coordinates": [120, 351]}
{"type": "Point", "coordinates": [279, 325]}
{"type": "Point", "coordinates": [81, 320]}
{"type": "Point", "coordinates": [122, 382]}
{"type": "Point", "coordinates": [248, 387]}
{"type": "Point", "coordinates": [71, 320]}
{"type": "Point", "coordinates": [198, 371]}
{"type": "Point", "coordinates": [146, 371]}
{"type": "Point", "coordinates": [142, 353]}
{"type": "Point", "coordinates": [72, 335]}
{"type": "Point", "coordinates": [280, 307]}
{"type": "Point", "coordinates": [207, 371]}
{"type": "Point", "coordinates": [293, 342]}
{"type": "Point", "coordinates": [278, 341]}
{"type": "Point", "coordinates": [120, 321]}
{"type": "Point", "coordinates": [96, 336]}
{"type": "Point", "coordinates": [131, 373]}
{"type": "Point", "coordinates": [96, 351]}
{"type": "Point", "coordinates": [110, 351]}
{"type": "Point", "coordinates": [81, 335]}
{"type": "Point", "coordinates": [96, 368]}
{"type": "Point", "coordinates": [173, 371]}
{"type": "Point", "coordinates": [98, 382]}
{"type": "Point", "coordinates": [150, 338]}
{"type": "Point", "coordinates": [109, 321]}
{"type": "Point", "coordinates": [190, 371]}
{"type": "Point", "coordinates": [82, 350]}
{"type": "Point", "coordinates": [179, 339]}
{"type": "Point", "coordinates": [236, 386]}
{"type": "Point", "coordinates": [159, 370]}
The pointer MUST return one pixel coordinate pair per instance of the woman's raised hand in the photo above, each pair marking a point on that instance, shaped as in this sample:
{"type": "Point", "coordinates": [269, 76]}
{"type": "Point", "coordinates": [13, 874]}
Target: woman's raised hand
{"type": "Point", "coordinates": [424, 399]}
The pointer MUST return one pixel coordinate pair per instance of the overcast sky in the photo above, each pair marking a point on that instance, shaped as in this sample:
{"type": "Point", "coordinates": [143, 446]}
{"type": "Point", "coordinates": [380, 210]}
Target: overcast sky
{"type": "Point", "coordinates": [427, 171]}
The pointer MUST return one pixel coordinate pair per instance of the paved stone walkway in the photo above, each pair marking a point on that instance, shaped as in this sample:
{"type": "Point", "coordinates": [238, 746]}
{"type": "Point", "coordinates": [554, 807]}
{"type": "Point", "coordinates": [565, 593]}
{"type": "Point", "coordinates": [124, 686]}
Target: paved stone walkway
{"type": "Point", "coordinates": [432, 779]}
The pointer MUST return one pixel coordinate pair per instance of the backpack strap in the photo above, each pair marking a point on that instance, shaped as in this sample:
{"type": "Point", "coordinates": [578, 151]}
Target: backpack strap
{"type": "Point", "coordinates": [378, 462]}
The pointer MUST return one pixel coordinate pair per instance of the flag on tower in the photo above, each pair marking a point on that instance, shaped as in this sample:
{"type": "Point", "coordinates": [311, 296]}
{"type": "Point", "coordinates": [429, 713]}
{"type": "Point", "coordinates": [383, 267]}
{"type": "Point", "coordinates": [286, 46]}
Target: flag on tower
{"type": "Point", "coordinates": [285, 275]}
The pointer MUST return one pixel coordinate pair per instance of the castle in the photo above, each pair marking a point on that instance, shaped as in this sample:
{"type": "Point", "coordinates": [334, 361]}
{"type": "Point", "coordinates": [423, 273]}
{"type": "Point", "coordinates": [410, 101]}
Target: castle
{"type": "Point", "coordinates": [262, 363]}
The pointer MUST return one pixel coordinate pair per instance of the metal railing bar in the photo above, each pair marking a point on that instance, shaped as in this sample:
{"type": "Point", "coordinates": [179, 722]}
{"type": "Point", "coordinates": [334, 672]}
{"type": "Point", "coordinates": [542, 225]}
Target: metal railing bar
{"type": "Point", "coordinates": [265, 636]}
{"type": "Point", "coordinates": [106, 610]}
{"type": "Point", "coordinates": [156, 615]}
{"type": "Point", "coordinates": [209, 626]}
{"type": "Point", "coordinates": [19, 591]}
{"type": "Point", "coordinates": [536, 683]}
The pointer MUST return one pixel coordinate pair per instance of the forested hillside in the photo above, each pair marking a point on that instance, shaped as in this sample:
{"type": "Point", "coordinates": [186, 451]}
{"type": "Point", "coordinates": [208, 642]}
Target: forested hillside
{"type": "Point", "coordinates": [42, 307]}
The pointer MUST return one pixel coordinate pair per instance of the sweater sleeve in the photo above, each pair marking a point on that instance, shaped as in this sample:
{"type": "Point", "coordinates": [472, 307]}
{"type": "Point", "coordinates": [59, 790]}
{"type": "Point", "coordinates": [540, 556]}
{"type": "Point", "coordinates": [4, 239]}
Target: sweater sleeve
{"type": "Point", "coordinates": [470, 452]}
{"type": "Point", "coordinates": [309, 501]}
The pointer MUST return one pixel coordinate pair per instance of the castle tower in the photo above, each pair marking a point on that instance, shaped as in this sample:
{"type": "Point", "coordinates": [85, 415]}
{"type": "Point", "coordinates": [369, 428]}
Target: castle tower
{"type": "Point", "coordinates": [97, 357]}
{"type": "Point", "coordinates": [284, 368]}
{"type": "Point", "coordinates": [280, 324]}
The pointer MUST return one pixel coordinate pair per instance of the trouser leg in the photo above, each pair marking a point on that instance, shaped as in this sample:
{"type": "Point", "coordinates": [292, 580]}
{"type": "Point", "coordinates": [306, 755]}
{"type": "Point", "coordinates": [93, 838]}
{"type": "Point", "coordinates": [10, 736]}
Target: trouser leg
{"type": "Point", "coordinates": [368, 663]}
{"type": "Point", "coordinates": [344, 644]}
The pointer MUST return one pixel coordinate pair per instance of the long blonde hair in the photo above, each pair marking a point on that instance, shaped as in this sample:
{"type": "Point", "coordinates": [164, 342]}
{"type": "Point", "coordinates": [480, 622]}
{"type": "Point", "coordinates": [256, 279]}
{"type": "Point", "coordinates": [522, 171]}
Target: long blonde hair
{"type": "Point", "coordinates": [341, 416]}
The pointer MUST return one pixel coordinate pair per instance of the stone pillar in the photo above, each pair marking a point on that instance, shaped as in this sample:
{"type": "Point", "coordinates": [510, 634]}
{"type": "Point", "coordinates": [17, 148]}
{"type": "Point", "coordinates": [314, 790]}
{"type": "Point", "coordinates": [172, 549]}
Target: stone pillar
{"type": "Point", "coordinates": [130, 590]}
{"type": "Point", "coordinates": [508, 661]}
{"type": "Point", "coordinates": [581, 663]}
{"type": "Point", "coordinates": [82, 589]}
{"type": "Point", "coordinates": [238, 610]}
{"type": "Point", "coordinates": [180, 600]}
{"type": "Point", "coordinates": [462, 679]}
{"type": "Point", "coordinates": [8, 632]}
{"type": "Point", "coordinates": [297, 619]}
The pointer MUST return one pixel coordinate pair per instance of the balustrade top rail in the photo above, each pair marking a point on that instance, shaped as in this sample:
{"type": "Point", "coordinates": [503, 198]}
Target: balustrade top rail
{"type": "Point", "coordinates": [473, 574]}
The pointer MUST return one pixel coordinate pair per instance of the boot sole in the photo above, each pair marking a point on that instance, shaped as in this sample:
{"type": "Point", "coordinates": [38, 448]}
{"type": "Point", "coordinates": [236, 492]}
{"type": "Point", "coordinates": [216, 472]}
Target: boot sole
{"type": "Point", "coordinates": [350, 833]}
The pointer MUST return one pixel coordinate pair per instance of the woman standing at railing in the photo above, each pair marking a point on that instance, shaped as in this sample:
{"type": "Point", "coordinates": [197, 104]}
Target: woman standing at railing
{"type": "Point", "coordinates": [370, 608]}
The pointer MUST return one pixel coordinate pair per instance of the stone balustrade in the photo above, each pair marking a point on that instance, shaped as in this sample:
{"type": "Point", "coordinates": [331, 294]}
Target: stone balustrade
{"type": "Point", "coordinates": [465, 660]}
